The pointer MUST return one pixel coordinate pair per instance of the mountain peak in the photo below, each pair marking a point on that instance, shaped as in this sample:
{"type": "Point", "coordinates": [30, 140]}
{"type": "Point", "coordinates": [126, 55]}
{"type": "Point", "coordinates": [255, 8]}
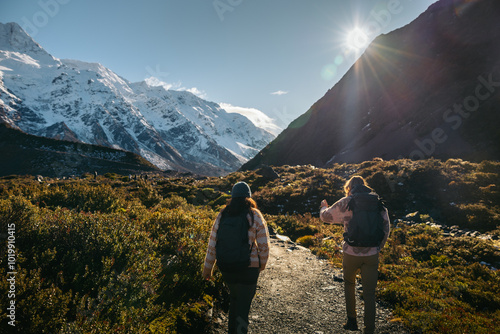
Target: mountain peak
{"type": "Point", "coordinates": [88, 103]}
{"type": "Point", "coordinates": [14, 38]}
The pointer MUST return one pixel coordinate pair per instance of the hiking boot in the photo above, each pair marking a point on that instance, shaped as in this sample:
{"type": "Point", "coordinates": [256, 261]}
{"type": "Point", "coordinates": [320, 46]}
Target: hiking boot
{"type": "Point", "coordinates": [351, 324]}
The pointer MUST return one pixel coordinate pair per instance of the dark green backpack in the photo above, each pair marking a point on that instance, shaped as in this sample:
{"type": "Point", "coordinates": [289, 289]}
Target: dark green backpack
{"type": "Point", "coordinates": [366, 227]}
{"type": "Point", "coordinates": [232, 249]}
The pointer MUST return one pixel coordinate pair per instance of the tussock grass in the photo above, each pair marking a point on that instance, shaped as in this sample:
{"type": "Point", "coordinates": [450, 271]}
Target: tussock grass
{"type": "Point", "coordinates": [120, 255]}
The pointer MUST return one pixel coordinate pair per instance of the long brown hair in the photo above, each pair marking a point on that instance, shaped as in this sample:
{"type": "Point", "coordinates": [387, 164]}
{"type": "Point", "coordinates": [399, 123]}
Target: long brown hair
{"type": "Point", "coordinates": [238, 205]}
{"type": "Point", "coordinates": [352, 182]}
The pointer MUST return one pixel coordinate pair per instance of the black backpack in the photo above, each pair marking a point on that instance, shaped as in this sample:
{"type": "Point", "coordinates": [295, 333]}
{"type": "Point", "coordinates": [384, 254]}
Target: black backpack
{"type": "Point", "coordinates": [366, 227]}
{"type": "Point", "coordinates": [232, 249]}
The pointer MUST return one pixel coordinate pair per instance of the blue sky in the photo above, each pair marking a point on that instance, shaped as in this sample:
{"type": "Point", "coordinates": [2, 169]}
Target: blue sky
{"type": "Point", "coordinates": [278, 56]}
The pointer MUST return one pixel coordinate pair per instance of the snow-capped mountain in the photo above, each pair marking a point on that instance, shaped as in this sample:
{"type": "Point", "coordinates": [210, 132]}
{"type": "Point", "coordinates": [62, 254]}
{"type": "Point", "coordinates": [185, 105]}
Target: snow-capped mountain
{"type": "Point", "coordinates": [86, 102]}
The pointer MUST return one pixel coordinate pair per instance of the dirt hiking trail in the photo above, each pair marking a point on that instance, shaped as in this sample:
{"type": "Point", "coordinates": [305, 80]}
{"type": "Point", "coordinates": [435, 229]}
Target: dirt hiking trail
{"type": "Point", "coordinates": [298, 293]}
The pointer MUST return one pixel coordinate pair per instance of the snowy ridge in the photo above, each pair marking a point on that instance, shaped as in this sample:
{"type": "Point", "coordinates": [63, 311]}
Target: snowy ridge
{"type": "Point", "coordinates": [86, 102]}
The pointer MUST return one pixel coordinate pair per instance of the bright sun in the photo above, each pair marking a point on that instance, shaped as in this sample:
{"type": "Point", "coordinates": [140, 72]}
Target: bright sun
{"type": "Point", "coordinates": [356, 39]}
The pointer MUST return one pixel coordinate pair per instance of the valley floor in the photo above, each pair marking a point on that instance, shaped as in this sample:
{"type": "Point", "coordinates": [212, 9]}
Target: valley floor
{"type": "Point", "coordinates": [299, 293]}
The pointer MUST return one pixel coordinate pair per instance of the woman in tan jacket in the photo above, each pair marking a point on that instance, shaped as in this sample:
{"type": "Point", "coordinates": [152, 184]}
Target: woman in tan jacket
{"type": "Point", "coordinates": [242, 283]}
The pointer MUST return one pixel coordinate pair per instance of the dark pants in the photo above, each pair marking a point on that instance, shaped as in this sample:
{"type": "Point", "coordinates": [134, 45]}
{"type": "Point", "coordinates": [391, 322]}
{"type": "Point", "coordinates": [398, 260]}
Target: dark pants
{"type": "Point", "coordinates": [242, 286]}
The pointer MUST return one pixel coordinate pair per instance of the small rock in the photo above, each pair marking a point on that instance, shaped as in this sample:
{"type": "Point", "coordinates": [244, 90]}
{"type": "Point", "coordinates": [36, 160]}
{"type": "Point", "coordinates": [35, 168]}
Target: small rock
{"type": "Point", "coordinates": [338, 278]}
{"type": "Point", "coordinates": [413, 216]}
{"type": "Point", "coordinates": [268, 172]}
{"type": "Point", "coordinates": [283, 238]}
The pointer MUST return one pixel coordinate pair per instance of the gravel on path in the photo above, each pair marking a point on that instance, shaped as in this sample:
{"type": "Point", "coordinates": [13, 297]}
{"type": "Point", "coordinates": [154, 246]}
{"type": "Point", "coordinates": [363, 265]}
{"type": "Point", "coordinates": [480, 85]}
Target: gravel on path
{"type": "Point", "coordinates": [299, 293]}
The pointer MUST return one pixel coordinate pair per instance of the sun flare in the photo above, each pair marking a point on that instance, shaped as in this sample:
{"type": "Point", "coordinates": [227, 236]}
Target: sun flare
{"type": "Point", "coordinates": [356, 39]}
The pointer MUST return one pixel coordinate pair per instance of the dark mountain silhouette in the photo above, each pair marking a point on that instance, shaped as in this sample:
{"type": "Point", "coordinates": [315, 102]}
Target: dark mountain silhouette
{"type": "Point", "coordinates": [24, 154]}
{"type": "Point", "coordinates": [429, 89]}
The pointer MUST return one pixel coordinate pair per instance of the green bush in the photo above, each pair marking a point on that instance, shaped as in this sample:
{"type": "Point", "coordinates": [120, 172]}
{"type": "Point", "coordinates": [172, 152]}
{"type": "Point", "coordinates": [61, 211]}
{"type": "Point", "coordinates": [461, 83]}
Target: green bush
{"type": "Point", "coordinates": [296, 226]}
{"type": "Point", "coordinates": [147, 194]}
{"type": "Point", "coordinates": [81, 196]}
{"type": "Point", "coordinates": [97, 272]}
{"type": "Point", "coordinates": [306, 241]}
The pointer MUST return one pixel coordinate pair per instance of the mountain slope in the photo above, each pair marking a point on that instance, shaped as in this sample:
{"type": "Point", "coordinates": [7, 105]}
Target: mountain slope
{"type": "Point", "coordinates": [431, 88]}
{"type": "Point", "coordinates": [27, 154]}
{"type": "Point", "coordinates": [86, 102]}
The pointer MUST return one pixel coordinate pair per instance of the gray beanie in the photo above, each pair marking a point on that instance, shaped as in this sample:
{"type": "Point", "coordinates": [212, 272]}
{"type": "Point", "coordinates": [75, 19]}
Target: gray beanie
{"type": "Point", "coordinates": [241, 189]}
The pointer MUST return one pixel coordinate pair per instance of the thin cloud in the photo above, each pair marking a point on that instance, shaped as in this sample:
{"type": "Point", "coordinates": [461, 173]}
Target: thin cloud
{"type": "Point", "coordinates": [257, 117]}
{"type": "Point", "coordinates": [197, 92]}
{"type": "Point", "coordinates": [153, 81]}
{"type": "Point", "coordinates": [279, 92]}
